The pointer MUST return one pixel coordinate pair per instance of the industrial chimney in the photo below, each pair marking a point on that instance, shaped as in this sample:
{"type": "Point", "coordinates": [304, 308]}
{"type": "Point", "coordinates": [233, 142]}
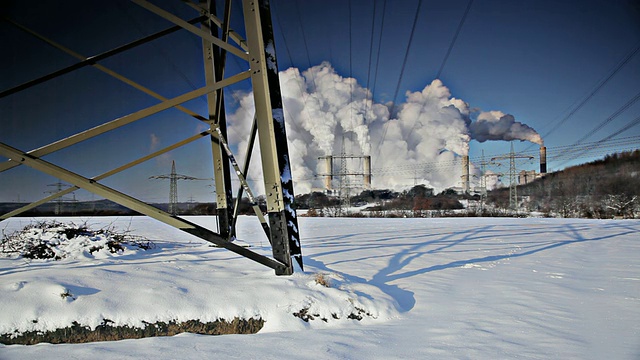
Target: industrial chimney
{"type": "Point", "coordinates": [367, 172]}
{"type": "Point", "coordinates": [328, 160]}
{"type": "Point", "coordinates": [543, 160]}
{"type": "Point", "coordinates": [465, 173]}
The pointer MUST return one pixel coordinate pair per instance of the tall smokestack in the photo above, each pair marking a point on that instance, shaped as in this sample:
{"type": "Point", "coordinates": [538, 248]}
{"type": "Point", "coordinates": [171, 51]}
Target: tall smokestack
{"type": "Point", "coordinates": [328, 160]}
{"type": "Point", "coordinates": [367, 172]}
{"type": "Point", "coordinates": [543, 160]}
{"type": "Point", "coordinates": [465, 173]}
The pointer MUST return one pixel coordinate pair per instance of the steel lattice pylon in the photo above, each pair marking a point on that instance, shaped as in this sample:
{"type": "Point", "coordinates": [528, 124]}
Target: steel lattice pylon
{"type": "Point", "coordinates": [513, 182]}
{"type": "Point", "coordinates": [173, 178]}
{"type": "Point", "coordinates": [218, 41]}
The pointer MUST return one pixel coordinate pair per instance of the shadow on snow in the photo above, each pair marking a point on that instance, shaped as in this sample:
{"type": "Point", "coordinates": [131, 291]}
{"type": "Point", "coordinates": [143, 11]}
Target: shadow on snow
{"type": "Point", "coordinates": [412, 246]}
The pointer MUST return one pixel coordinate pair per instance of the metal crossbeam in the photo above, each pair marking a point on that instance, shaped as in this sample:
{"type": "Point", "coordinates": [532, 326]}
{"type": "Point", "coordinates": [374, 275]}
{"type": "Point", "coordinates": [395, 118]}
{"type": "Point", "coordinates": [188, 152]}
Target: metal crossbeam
{"type": "Point", "coordinates": [93, 62]}
{"type": "Point", "coordinates": [185, 25]}
{"type": "Point", "coordinates": [114, 124]}
{"type": "Point", "coordinates": [133, 204]}
{"type": "Point", "coordinates": [106, 175]}
{"type": "Point", "coordinates": [86, 61]}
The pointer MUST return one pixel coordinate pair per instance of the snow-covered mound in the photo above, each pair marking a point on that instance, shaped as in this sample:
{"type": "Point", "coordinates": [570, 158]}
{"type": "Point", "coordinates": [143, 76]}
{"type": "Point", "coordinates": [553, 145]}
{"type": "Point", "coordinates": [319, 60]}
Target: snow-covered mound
{"type": "Point", "coordinates": [105, 276]}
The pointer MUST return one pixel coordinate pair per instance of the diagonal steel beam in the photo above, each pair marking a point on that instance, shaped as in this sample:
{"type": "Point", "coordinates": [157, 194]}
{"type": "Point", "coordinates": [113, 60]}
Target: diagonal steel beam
{"type": "Point", "coordinates": [114, 124]}
{"type": "Point", "coordinates": [244, 185]}
{"type": "Point", "coordinates": [185, 25]}
{"type": "Point", "coordinates": [105, 69]}
{"type": "Point", "coordinates": [134, 204]}
{"type": "Point", "coordinates": [245, 171]}
{"type": "Point", "coordinates": [86, 61]}
{"type": "Point", "coordinates": [106, 175]}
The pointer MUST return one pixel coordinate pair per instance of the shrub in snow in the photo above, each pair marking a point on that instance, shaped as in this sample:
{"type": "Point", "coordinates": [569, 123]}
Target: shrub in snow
{"type": "Point", "coordinates": [55, 240]}
{"type": "Point", "coordinates": [323, 280]}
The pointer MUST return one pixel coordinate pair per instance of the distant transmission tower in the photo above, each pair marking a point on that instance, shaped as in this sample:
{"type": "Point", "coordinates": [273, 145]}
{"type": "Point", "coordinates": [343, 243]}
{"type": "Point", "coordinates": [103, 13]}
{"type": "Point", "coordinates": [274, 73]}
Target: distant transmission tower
{"type": "Point", "coordinates": [59, 186]}
{"type": "Point", "coordinates": [345, 190]}
{"type": "Point", "coordinates": [513, 185]}
{"type": "Point", "coordinates": [348, 179]}
{"type": "Point", "coordinates": [513, 180]}
{"type": "Point", "coordinates": [483, 182]}
{"type": "Point", "coordinates": [173, 186]}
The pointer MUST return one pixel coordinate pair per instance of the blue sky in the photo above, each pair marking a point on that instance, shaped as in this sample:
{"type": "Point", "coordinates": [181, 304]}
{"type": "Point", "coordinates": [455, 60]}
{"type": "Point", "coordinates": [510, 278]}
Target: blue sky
{"type": "Point", "coordinates": [535, 60]}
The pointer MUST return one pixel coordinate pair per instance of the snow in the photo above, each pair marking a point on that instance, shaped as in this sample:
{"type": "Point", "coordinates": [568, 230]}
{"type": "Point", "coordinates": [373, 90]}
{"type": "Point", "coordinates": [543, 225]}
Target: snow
{"type": "Point", "coordinates": [463, 288]}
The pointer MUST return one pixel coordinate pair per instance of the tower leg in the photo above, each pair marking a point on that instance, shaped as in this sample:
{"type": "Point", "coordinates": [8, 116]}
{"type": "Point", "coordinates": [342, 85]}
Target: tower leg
{"type": "Point", "coordinates": [285, 240]}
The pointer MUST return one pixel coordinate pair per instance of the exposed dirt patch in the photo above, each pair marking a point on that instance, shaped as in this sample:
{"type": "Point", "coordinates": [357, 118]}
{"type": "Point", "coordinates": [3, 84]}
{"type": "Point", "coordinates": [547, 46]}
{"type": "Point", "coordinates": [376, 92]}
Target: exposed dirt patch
{"type": "Point", "coordinates": [77, 333]}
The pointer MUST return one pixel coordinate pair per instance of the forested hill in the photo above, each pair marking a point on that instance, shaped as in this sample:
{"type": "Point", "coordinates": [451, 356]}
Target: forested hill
{"type": "Point", "coordinates": [600, 189]}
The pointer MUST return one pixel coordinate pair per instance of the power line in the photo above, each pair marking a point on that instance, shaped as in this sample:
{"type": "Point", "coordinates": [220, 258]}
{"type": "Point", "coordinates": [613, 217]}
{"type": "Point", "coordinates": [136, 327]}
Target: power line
{"type": "Point", "coordinates": [626, 127]}
{"type": "Point", "coordinates": [620, 65]}
{"type": "Point", "coordinates": [455, 37]}
{"type": "Point", "coordinates": [626, 142]}
{"type": "Point", "coordinates": [617, 113]}
{"type": "Point", "coordinates": [304, 41]}
{"type": "Point", "coordinates": [282, 32]}
{"type": "Point", "coordinates": [404, 64]}
{"type": "Point", "coordinates": [303, 91]}
{"type": "Point", "coordinates": [610, 118]}
{"type": "Point", "coordinates": [598, 87]}
{"type": "Point", "coordinates": [444, 61]}
{"type": "Point", "coordinates": [161, 51]}
{"type": "Point", "coordinates": [375, 76]}
{"type": "Point", "coordinates": [373, 22]}
{"type": "Point", "coordinates": [350, 74]}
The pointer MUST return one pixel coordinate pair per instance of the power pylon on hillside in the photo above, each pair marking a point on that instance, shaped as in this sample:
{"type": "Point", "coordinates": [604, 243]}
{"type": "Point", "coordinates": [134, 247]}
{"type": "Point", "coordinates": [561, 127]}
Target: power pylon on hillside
{"type": "Point", "coordinates": [513, 182]}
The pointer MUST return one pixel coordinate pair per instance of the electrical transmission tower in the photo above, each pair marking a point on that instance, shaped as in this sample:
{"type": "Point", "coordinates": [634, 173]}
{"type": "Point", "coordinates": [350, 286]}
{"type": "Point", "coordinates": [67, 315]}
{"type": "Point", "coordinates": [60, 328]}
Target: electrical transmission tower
{"type": "Point", "coordinates": [173, 186]}
{"type": "Point", "coordinates": [59, 186]}
{"type": "Point", "coordinates": [257, 53]}
{"type": "Point", "coordinates": [513, 180]}
{"type": "Point", "coordinates": [345, 189]}
{"type": "Point", "coordinates": [483, 182]}
{"type": "Point", "coordinates": [347, 177]}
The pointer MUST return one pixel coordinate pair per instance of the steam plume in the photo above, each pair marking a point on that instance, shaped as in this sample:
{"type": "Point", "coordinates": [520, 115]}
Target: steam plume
{"type": "Point", "coordinates": [429, 127]}
{"type": "Point", "coordinates": [496, 125]}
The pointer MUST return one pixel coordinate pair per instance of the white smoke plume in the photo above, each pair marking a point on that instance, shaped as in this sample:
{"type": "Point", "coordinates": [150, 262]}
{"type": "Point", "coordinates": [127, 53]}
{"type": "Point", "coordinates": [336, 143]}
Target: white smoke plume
{"type": "Point", "coordinates": [496, 125]}
{"type": "Point", "coordinates": [324, 110]}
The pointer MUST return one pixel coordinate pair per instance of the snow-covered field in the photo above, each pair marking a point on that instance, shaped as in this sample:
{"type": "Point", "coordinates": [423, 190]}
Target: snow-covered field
{"type": "Point", "coordinates": [464, 288]}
